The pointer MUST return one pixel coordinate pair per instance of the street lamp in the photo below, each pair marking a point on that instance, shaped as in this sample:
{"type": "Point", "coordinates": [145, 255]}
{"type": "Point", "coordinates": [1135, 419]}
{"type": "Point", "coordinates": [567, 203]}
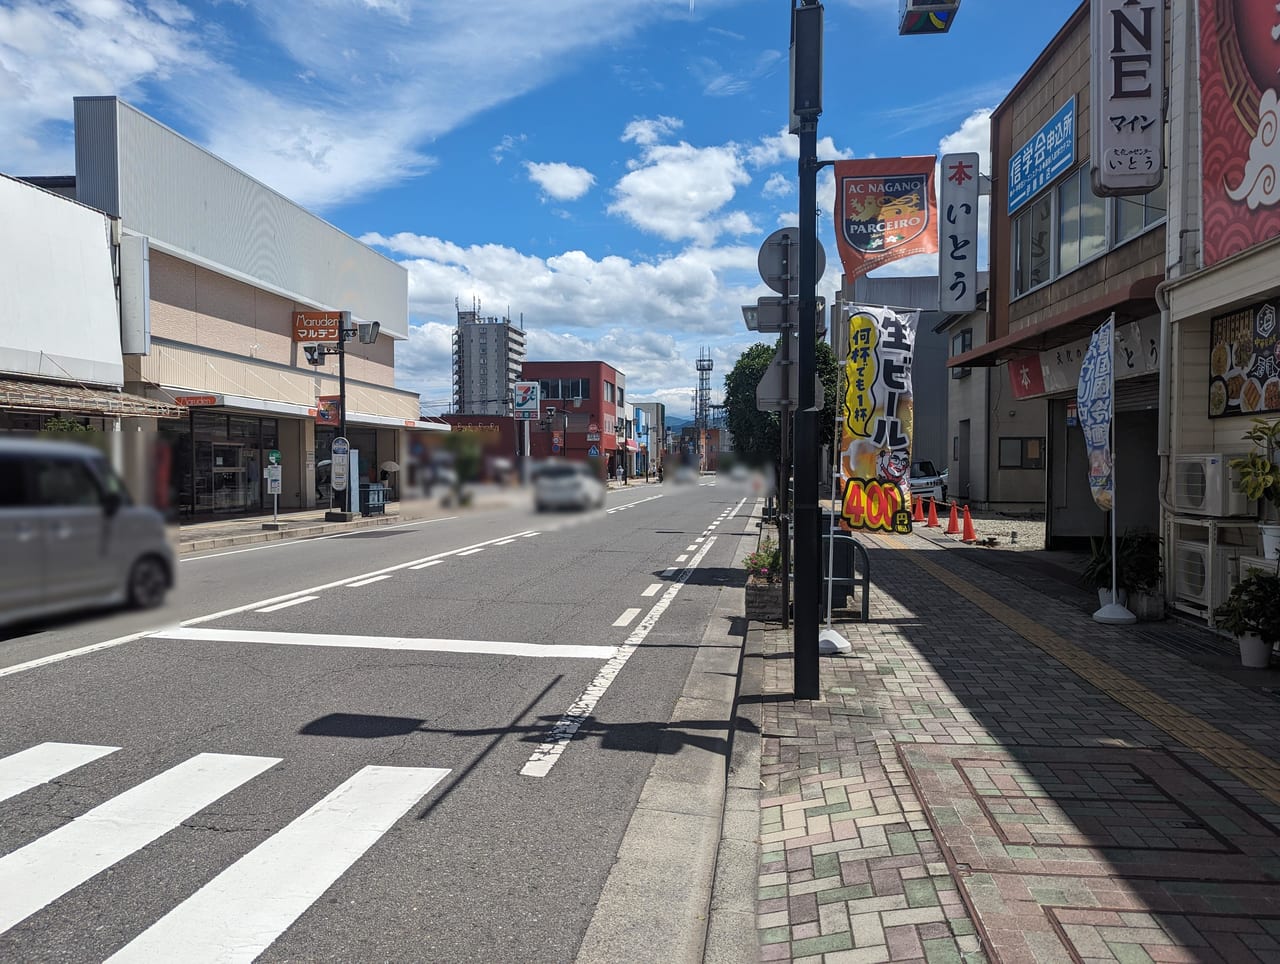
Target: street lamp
{"type": "Point", "coordinates": [367, 331]}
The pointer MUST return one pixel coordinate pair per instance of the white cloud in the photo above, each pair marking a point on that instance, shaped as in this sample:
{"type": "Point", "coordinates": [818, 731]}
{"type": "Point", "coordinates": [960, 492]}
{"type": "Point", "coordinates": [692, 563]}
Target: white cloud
{"type": "Point", "coordinates": [676, 191]}
{"type": "Point", "coordinates": [974, 135]}
{"type": "Point", "coordinates": [508, 144]}
{"type": "Point", "coordinates": [647, 131]}
{"type": "Point", "coordinates": [778, 185]}
{"type": "Point", "coordinates": [560, 181]}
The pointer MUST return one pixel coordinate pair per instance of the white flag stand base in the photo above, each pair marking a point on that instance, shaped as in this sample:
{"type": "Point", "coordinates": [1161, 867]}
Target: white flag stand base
{"type": "Point", "coordinates": [1115, 614]}
{"type": "Point", "coordinates": [829, 641]}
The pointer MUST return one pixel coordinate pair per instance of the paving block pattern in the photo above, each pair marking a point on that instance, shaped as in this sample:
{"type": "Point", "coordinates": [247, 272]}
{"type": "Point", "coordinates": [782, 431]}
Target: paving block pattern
{"type": "Point", "coordinates": [991, 776]}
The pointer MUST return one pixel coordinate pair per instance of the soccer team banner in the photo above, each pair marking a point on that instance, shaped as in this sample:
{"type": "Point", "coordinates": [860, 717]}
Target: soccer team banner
{"type": "Point", "coordinates": [884, 211]}
{"type": "Point", "coordinates": [876, 420]}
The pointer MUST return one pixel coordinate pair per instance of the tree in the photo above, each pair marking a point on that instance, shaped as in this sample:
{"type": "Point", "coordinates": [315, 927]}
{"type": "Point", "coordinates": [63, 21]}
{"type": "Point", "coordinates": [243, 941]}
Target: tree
{"type": "Point", "coordinates": [757, 435]}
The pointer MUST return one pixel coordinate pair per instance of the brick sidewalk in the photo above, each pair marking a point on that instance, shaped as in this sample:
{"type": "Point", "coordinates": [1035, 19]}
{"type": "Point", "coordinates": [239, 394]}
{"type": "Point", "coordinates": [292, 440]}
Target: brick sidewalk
{"type": "Point", "coordinates": [993, 776]}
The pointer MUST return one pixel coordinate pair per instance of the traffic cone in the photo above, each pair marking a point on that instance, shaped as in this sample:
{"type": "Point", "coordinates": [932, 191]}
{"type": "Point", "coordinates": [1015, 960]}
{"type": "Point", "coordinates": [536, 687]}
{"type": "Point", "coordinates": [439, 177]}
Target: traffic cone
{"type": "Point", "coordinates": [919, 511]}
{"type": "Point", "coordinates": [933, 515]}
{"type": "Point", "coordinates": [953, 524]}
{"type": "Point", "coordinates": [969, 534]}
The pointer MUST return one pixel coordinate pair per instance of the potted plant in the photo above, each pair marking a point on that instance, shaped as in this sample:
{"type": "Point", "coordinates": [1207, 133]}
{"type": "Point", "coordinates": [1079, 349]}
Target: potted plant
{"type": "Point", "coordinates": [1142, 572]}
{"type": "Point", "coordinates": [1252, 615]}
{"type": "Point", "coordinates": [1260, 479]}
{"type": "Point", "coordinates": [1097, 572]}
{"type": "Point", "coordinates": [764, 582]}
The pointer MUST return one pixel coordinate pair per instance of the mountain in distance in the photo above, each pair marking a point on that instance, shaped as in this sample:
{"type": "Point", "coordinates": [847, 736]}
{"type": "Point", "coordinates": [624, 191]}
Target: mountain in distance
{"type": "Point", "coordinates": [676, 422]}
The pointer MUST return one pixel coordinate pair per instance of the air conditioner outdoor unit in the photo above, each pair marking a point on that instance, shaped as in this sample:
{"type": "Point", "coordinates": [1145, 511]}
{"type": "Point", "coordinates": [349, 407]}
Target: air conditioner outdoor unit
{"type": "Point", "coordinates": [1191, 583]}
{"type": "Point", "coordinates": [1206, 485]}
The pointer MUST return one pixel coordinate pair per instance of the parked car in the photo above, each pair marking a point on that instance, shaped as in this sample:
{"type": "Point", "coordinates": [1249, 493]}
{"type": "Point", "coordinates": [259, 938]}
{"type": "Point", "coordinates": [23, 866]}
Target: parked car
{"type": "Point", "coordinates": [70, 536]}
{"type": "Point", "coordinates": [567, 485]}
{"type": "Point", "coordinates": [927, 482]}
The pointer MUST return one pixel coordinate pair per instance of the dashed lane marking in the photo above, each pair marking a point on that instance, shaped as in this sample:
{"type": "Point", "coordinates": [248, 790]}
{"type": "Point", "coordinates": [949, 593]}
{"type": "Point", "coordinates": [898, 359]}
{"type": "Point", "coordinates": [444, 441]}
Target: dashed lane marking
{"type": "Point", "coordinates": [287, 603]}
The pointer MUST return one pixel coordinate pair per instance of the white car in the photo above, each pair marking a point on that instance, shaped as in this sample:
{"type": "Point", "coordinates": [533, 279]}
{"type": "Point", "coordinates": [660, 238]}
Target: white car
{"type": "Point", "coordinates": [927, 482]}
{"type": "Point", "coordinates": [567, 485]}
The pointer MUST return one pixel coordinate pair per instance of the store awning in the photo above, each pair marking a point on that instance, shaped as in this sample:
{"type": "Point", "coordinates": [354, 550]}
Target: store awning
{"type": "Point", "coordinates": [25, 396]}
{"type": "Point", "coordinates": [632, 446]}
{"type": "Point", "coordinates": [188, 398]}
{"type": "Point", "coordinates": [1129, 304]}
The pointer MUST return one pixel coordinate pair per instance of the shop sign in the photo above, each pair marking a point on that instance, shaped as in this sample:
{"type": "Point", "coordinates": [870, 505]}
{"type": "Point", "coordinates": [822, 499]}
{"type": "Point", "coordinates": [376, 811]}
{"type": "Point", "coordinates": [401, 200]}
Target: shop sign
{"type": "Point", "coordinates": [526, 397]}
{"type": "Point", "coordinates": [593, 436]}
{"type": "Point", "coordinates": [197, 401]}
{"type": "Point", "coordinates": [884, 211]}
{"type": "Point", "coordinates": [1050, 152]}
{"type": "Point", "coordinates": [1126, 83]}
{"type": "Point", "coordinates": [1244, 361]}
{"type": "Point", "coordinates": [958, 246]}
{"type": "Point", "coordinates": [1026, 376]}
{"type": "Point", "coordinates": [317, 326]}
{"type": "Point", "coordinates": [1137, 346]}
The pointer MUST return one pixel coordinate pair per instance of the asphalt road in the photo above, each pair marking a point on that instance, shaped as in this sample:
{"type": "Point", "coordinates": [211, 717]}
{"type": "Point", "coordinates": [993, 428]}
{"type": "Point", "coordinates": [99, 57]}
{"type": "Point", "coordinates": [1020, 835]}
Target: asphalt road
{"type": "Point", "coordinates": [412, 744]}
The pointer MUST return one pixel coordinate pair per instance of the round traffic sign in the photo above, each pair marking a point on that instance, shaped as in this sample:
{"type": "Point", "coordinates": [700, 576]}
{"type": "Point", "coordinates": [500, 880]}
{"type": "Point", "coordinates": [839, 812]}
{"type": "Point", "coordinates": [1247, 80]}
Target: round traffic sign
{"type": "Point", "coordinates": [786, 242]}
{"type": "Point", "coordinates": [273, 457]}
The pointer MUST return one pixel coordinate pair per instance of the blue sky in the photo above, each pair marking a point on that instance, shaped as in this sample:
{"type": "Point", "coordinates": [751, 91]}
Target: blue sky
{"type": "Point", "coordinates": [606, 169]}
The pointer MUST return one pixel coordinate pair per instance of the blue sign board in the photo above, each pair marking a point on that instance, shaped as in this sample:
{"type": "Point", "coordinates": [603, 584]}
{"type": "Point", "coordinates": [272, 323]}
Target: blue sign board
{"type": "Point", "coordinates": [594, 451]}
{"type": "Point", "coordinates": [1050, 152]}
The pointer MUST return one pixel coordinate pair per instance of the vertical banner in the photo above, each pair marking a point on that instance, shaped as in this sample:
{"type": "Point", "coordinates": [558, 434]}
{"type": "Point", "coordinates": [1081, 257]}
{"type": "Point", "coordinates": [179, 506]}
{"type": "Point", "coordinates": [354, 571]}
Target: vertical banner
{"type": "Point", "coordinates": [884, 211]}
{"type": "Point", "coordinates": [876, 421]}
{"type": "Point", "coordinates": [1094, 406]}
{"type": "Point", "coordinates": [958, 257]}
{"type": "Point", "coordinates": [329, 410]}
{"type": "Point", "coordinates": [1126, 96]}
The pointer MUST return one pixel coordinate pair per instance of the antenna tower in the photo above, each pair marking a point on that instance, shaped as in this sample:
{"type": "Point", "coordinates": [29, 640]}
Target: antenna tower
{"type": "Point", "coordinates": [702, 413]}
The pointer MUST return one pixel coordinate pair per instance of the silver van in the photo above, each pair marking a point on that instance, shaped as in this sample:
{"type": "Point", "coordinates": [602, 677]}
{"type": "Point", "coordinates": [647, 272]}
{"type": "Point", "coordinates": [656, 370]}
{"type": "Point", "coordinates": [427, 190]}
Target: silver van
{"type": "Point", "coordinates": [70, 537]}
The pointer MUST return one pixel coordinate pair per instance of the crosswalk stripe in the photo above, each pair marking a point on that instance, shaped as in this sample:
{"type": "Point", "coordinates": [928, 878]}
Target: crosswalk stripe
{"type": "Point", "coordinates": [45, 869]}
{"type": "Point", "coordinates": [402, 643]}
{"type": "Point", "coordinates": [239, 913]}
{"type": "Point", "coordinates": [47, 761]}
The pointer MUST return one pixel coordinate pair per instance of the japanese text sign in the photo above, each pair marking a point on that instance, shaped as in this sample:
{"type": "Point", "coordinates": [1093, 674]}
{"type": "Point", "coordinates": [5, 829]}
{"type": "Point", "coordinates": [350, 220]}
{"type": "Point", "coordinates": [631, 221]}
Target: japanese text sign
{"type": "Point", "coordinates": [317, 326]}
{"type": "Point", "coordinates": [1244, 361]}
{"type": "Point", "coordinates": [1094, 395]}
{"type": "Point", "coordinates": [1051, 151]}
{"type": "Point", "coordinates": [1126, 86]}
{"type": "Point", "coordinates": [958, 233]}
{"type": "Point", "coordinates": [876, 421]}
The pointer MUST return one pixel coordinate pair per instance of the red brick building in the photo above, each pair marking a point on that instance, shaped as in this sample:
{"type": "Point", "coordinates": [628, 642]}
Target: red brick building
{"type": "Point", "coordinates": [582, 405]}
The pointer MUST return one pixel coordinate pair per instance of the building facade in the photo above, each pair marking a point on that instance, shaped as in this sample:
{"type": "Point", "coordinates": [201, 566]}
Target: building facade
{"type": "Point", "coordinates": [213, 266]}
{"type": "Point", "coordinates": [1062, 261]}
{"type": "Point", "coordinates": [583, 403]}
{"type": "Point", "coordinates": [656, 425]}
{"type": "Point", "coordinates": [487, 357]}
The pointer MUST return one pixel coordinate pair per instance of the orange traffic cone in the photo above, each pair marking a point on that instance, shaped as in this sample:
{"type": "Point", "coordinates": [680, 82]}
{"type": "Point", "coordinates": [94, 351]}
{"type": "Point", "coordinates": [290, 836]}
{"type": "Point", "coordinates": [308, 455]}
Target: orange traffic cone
{"type": "Point", "coordinates": [969, 534]}
{"type": "Point", "coordinates": [933, 515]}
{"type": "Point", "coordinates": [919, 511]}
{"type": "Point", "coordinates": [953, 524]}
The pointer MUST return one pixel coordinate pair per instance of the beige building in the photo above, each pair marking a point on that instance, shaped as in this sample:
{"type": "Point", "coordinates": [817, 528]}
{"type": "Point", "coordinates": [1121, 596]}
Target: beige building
{"type": "Point", "coordinates": [212, 267]}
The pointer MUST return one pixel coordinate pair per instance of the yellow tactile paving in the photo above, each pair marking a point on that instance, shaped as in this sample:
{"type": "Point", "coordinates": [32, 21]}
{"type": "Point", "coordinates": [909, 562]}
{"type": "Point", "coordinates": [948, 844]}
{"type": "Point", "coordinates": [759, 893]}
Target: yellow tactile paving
{"type": "Point", "coordinates": [1252, 768]}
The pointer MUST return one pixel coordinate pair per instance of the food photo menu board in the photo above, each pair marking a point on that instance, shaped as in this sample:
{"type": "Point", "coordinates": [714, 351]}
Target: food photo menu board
{"type": "Point", "coordinates": [1244, 362]}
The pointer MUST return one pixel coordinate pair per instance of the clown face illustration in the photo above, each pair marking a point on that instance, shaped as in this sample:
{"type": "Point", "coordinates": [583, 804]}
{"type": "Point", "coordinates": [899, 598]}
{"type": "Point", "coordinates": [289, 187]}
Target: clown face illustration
{"type": "Point", "coordinates": [893, 466]}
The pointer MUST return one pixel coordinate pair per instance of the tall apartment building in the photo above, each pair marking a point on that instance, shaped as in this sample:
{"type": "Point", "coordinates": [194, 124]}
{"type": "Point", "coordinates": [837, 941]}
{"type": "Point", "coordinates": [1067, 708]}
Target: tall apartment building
{"type": "Point", "coordinates": [487, 356]}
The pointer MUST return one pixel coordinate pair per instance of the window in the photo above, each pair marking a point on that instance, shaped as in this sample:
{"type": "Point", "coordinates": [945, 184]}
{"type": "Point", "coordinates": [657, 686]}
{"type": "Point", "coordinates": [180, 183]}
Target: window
{"type": "Point", "coordinates": [1082, 222]}
{"type": "Point", "coordinates": [65, 482]}
{"type": "Point", "coordinates": [621, 396]}
{"type": "Point", "coordinates": [12, 482]}
{"type": "Point", "coordinates": [1031, 245]}
{"type": "Point", "coordinates": [1022, 453]}
{"type": "Point", "coordinates": [1137, 213]}
{"type": "Point", "coordinates": [608, 392]}
{"type": "Point", "coordinates": [961, 342]}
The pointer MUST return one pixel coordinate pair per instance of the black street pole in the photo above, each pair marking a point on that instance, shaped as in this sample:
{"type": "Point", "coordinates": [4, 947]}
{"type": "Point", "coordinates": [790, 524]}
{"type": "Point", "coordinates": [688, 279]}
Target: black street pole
{"type": "Point", "coordinates": [342, 377]}
{"type": "Point", "coordinates": [808, 54]}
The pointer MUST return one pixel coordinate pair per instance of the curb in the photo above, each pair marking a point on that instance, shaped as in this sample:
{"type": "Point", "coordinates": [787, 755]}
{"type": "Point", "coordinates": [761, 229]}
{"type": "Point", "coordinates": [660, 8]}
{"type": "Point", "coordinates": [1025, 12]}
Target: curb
{"type": "Point", "coordinates": [657, 902]}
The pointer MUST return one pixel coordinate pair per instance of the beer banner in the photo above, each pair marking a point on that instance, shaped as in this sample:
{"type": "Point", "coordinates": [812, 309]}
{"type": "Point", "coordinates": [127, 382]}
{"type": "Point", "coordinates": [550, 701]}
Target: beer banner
{"type": "Point", "coordinates": [1094, 406]}
{"type": "Point", "coordinates": [884, 211]}
{"type": "Point", "coordinates": [876, 421]}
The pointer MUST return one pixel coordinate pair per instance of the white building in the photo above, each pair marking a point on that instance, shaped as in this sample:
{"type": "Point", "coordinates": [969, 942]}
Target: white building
{"type": "Point", "coordinates": [487, 357]}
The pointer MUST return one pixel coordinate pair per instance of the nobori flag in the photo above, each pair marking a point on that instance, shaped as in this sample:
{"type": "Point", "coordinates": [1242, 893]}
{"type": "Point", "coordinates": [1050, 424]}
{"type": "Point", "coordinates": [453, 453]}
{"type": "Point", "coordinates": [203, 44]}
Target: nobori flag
{"type": "Point", "coordinates": [1095, 409]}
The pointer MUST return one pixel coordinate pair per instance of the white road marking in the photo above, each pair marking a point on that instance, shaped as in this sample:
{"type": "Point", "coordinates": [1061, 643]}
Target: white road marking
{"type": "Point", "coordinates": [472, 552]}
{"type": "Point", "coordinates": [669, 571]}
{"type": "Point", "coordinates": [737, 507]}
{"type": "Point", "coordinates": [682, 558]}
{"type": "Point", "coordinates": [626, 617]}
{"type": "Point", "coordinates": [39, 764]}
{"type": "Point", "coordinates": [401, 643]}
{"type": "Point", "coordinates": [694, 547]}
{"type": "Point", "coordinates": [427, 565]}
{"type": "Point", "coordinates": [505, 542]}
{"type": "Point", "coordinates": [652, 590]}
{"type": "Point", "coordinates": [241, 912]}
{"type": "Point", "coordinates": [369, 581]}
{"type": "Point", "coordinates": [209, 617]}
{"type": "Point", "coordinates": [697, 540]}
{"type": "Point", "coordinates": [45, 869]}
{"type": "Point", "coordinates": [548, 752]}
{"type": "Point", "coordinates": [530, 535]}
{"type": "Point", "coordinates": [286, 604]}
{"type": "Point", "coordinates": [307, 540]}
